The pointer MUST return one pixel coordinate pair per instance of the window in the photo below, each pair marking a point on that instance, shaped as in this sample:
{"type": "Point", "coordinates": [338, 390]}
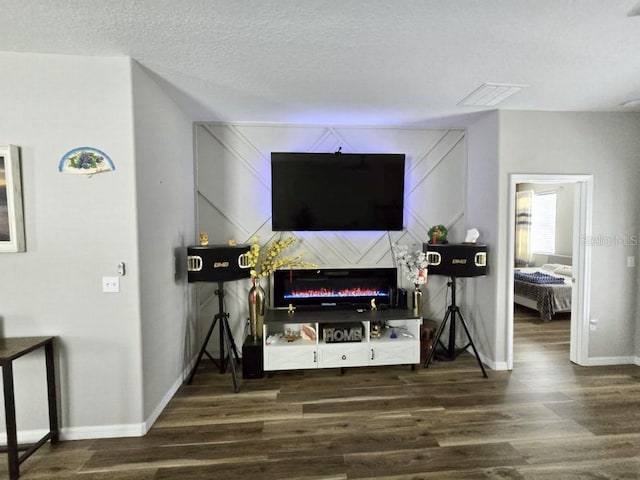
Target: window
{"type": "Point", "coordinates": [543, 223]}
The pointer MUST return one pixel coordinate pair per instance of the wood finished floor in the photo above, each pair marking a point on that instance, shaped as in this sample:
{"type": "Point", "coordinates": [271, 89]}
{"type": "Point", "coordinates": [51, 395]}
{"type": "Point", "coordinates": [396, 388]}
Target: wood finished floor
{"type": "Point", "coordinates": [548, 419]}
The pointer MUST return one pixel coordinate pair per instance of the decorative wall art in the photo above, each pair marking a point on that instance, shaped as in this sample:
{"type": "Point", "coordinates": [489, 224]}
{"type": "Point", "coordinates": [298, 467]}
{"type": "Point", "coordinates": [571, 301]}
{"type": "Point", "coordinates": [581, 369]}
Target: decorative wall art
{"type": "Point", "coordinates": [11, 216]}
{"type": "Point", "coordinates": [85, 161]}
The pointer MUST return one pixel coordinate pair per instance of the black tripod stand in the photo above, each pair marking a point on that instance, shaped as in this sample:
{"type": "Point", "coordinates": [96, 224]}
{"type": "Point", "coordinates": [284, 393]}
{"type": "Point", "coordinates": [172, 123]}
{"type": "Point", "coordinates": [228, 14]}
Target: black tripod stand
{"type": "Point", "coordinates": [451, 352]}
{"type": "Point", "coordinates": [226, 340]}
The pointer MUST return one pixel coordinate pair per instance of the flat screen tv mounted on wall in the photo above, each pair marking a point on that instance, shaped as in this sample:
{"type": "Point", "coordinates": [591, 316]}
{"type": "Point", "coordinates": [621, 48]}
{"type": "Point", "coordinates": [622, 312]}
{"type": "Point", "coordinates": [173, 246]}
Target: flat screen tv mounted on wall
{"type": "Point", "coordinates": [337, 191]}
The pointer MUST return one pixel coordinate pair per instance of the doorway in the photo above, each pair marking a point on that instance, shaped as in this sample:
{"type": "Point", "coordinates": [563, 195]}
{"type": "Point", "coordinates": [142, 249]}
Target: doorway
{"type": "Point", "coordinates": [580, 294]}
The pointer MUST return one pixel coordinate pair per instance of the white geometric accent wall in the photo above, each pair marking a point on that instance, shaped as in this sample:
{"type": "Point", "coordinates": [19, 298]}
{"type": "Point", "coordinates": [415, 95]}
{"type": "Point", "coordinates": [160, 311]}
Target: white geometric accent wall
{"type": "Point", "coordinates": [233, 190]}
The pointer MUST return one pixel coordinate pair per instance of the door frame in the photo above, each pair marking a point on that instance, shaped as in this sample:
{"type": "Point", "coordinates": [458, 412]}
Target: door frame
{"type": "Point", "coordinates": [581, 291]}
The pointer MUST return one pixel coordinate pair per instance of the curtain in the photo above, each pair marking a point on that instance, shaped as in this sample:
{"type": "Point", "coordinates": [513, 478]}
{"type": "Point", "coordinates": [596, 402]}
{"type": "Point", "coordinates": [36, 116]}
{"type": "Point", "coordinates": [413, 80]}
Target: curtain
{"type": "Point", "coordinates": [524, 201]}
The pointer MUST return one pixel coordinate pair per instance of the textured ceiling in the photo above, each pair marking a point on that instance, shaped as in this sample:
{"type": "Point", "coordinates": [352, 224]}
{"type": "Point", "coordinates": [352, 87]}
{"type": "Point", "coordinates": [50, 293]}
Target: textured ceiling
{"type": "Point", "coordinates": [350, 61]}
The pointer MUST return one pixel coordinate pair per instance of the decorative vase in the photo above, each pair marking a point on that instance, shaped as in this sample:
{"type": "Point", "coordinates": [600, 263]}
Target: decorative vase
{"type": "Point", "coordinates": [417, 301]}
{"type": "Point", "coordinates": [256, 309]}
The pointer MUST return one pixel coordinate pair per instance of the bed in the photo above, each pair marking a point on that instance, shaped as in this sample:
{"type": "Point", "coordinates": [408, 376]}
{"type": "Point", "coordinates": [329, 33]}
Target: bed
{"type": "Point", "coordinates": [546, 289]}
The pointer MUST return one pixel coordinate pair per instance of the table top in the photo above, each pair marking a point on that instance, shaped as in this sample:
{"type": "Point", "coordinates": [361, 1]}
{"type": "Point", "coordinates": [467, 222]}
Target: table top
{"type": "Point", "coordinates": [14, 347]}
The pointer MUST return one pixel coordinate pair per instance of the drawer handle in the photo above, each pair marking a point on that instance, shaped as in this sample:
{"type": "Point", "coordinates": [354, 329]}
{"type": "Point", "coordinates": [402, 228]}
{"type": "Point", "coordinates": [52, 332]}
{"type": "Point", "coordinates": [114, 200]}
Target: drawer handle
{"type": "Point", "coordinates": [315, 357]}
{"type": "Point", "coordinates": [344, 357]}
{"type": "Point", "coordinates": [372, 355]}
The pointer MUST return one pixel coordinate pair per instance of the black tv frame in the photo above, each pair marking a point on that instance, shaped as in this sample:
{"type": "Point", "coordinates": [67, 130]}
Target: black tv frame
{"type": "Point", "coordinates": [337, 191]}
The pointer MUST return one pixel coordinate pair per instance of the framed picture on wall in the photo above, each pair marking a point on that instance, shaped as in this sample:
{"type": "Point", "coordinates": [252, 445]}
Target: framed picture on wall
{"type": "Point", "coordinates": [11, 215]}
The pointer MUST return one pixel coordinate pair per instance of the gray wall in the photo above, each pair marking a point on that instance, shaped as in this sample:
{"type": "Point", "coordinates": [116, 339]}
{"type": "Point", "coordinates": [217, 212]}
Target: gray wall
{"type": "Point", "coordinates": [607, 146]}
{"type": "Point", "coordinates": [78, 229]}
{"type": "Point", "coordinates": [483, 203]}
{"type": "Point", "coordinates": [165, 226]}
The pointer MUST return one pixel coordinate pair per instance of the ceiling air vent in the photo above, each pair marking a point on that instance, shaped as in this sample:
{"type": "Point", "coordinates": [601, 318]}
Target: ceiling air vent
{"type": "Point", "coordinates": [490, 94]}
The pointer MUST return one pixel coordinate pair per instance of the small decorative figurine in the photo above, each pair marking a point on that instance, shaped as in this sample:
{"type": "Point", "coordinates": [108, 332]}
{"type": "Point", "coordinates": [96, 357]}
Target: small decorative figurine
{"type": "Point", "coordinates": [290, 334]}
{"type": "Point", "coordinates": [472, 236]}
{"type": "Point", "coordinates": [376, 330]}
{"type": "Point", "coordinates": [204, 239]}
{"type": "Point", "coordinates": [291, 309]}
{"type": "Point", "coordinates": [373, 304]}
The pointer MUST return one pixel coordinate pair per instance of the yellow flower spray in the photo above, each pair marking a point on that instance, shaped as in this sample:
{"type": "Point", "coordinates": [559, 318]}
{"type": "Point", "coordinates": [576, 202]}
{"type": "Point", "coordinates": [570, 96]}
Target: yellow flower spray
{"type": "Point", "coordinates": [263, 263]}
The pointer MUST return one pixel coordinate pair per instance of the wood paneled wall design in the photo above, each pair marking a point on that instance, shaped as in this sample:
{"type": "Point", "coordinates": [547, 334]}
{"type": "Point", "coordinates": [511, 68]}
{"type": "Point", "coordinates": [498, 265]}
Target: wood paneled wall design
{"type": "Point", "coordinates": [233, 188]}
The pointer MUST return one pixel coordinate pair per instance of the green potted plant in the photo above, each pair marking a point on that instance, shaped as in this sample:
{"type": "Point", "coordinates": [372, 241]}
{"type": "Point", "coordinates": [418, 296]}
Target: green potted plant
{"type": "Point", "coordinates": [438, 234]}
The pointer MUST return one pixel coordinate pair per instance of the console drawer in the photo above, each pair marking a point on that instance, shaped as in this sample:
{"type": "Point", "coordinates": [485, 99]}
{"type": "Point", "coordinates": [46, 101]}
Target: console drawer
{"type": "Point", "coordinates": [290, 358]}
{"type": "Point", "coordinates": [343, 355]}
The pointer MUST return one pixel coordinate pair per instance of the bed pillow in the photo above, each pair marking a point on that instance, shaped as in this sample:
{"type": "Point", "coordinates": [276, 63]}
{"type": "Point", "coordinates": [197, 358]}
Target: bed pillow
{"type": "Point", "coordinates": [565, 270]}
{"type": "Point", "coordinates": [550, 267]}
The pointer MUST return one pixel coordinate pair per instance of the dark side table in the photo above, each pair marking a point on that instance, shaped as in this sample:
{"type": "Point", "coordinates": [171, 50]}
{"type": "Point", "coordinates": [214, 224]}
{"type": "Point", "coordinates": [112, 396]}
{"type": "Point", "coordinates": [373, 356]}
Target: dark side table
{"type": "Point", "coordinates": [10, 350]}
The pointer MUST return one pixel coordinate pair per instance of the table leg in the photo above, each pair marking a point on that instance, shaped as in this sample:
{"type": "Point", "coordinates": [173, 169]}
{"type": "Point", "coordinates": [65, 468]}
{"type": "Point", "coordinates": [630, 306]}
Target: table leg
{"type": "Point", "coordinates": [51, 392]}
{"type": "Point", "coordinates": [10, 415]}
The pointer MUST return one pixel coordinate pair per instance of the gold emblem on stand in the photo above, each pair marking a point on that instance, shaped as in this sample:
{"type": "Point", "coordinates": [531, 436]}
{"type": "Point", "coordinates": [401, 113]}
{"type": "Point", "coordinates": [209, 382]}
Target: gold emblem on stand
{"type": "Point", "coordinates": [204, 239]}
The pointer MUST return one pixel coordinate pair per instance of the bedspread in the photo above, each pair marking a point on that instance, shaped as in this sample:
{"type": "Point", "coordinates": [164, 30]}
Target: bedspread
{"type": "Point", "coordinates": [538, 278]}
{"type": "Point", "coordinates": [549, 298]}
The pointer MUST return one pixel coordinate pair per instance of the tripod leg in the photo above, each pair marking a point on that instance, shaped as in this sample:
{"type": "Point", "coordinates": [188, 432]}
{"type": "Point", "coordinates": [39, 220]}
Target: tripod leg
{"type": "Point", "coordinates": [436, 340]}
{"type": "Point", "coordinates": [233, 350]}
{"type": "Point", "coordinates": [203, 350]}
{"type": "Point", "coordinates": [223, 341]}
{"type": "Point", "coordinates": [475, 352]}
{"type": "Point", "coordinates": [233, 354]}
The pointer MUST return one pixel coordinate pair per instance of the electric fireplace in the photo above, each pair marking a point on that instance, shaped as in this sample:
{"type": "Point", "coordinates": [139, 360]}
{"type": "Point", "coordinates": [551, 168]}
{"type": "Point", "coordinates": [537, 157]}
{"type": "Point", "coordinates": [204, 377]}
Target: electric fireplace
{"type": "Point", "coordinates": [335, 288]}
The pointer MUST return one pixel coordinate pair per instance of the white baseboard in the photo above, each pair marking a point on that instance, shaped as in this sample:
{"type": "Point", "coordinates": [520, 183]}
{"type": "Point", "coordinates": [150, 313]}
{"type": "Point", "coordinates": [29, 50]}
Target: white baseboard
{"type": "Point", "coordinates": [164, 402]}
{"type": "Point", "coordinates": [499, 366]}
{"type": "Point", "coordinates": [105, 431]}
{"type": "Point", "coordinates": [604, 361]}
{"type": "Point", "coordinates": [80, 433]}
{"type": "Point", "coordinates": [591, 362]}
{"type": "Point", "coordinates": [102, 431]}
{"type": "Point", "coordinates": [493, 365]}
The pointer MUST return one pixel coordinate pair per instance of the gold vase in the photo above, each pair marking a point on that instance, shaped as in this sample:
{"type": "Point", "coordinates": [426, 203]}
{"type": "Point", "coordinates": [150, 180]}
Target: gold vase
{"type": "Point", "coordinates": [417, 301]}
{"type": "Point", "coordinates": [256, 309]}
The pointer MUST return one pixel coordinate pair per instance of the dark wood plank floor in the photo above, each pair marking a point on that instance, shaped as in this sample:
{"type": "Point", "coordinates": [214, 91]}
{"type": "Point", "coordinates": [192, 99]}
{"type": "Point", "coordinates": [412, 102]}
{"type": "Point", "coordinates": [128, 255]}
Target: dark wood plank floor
{"type": "Point", "coordinates": [548, 419]}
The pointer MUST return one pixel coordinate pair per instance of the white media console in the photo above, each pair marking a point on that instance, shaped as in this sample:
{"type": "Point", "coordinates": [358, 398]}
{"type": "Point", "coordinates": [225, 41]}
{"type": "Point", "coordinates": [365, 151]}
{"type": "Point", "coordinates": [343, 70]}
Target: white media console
{"type": "Point", "coordinates": [285, 348]}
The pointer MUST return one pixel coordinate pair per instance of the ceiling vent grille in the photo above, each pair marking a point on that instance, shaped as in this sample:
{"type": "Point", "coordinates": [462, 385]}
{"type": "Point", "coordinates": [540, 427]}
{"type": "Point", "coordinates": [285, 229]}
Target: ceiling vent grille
{"type": "Point", "coordinates": [490, 94]}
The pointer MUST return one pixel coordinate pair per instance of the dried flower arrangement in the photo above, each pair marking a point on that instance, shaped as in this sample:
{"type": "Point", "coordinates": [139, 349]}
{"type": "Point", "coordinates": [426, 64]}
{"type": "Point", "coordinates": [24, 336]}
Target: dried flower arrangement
{"type": "Point", "coordinates": [413, 262]}
{"type": "Point", "coordinates": [264, 262]}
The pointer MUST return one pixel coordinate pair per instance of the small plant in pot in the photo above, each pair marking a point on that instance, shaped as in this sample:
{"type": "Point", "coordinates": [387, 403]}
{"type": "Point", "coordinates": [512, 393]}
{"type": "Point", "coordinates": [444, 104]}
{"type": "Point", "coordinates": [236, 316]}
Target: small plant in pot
{"type": "Point", "coordinates": [438, 234]}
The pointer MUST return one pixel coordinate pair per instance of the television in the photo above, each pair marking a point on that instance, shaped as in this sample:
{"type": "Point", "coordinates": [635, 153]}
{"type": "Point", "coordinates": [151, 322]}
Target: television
{"type": "Point", "coordinates": [337, 191]}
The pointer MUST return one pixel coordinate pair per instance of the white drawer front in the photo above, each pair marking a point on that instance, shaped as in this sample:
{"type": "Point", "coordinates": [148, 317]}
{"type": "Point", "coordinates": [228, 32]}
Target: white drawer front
{"type": "Point", "coordinates": [343, 355]}
{"type": "Point", "coordinates": [290, 358]}
{"type": "Point", "coordinates": [391, 353]}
